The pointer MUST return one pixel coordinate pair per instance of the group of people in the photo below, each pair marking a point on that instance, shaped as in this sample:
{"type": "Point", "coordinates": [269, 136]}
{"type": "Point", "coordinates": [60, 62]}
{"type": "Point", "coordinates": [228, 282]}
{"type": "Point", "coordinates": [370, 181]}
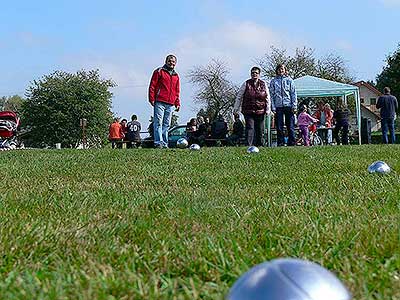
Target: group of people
{"type": "Point", "coordinates": [203, 132]}
{"type": "Point", "coordinates": [254, 100]}
{"type": "Point", "coordinates": [124, 131]}
{"type": "Point", "coordinates": [323, 120]}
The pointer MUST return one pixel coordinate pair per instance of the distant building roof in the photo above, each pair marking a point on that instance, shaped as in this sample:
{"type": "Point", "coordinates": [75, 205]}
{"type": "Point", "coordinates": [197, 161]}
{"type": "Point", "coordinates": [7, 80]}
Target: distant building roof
{"type": "Point", "coordinates": [368, 86]}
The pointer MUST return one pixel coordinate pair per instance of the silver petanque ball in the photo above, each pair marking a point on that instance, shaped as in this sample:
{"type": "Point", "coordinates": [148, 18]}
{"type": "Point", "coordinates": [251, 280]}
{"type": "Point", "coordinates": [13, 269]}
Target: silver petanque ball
{"type": "Point", "coordinates": [288, 279]}
{"type": "Point", "coordinates": [252, 149]}
{"type": "Point", "coordinates": [194, 147]}
{"type": "Point", "coordinates": [379, 167]}
{"type": "Point", "coordinates": [182, 143]}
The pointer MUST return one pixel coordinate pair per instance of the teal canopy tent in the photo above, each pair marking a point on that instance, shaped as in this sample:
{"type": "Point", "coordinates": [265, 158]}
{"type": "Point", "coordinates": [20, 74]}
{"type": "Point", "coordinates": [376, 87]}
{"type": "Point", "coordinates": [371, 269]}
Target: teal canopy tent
{"type": "Point", "coordinates": [310, 86]}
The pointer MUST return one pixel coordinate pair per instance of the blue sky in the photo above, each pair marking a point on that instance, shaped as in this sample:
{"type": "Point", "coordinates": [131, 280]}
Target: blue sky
{"type": "Point", "coordinates": [126, 40]}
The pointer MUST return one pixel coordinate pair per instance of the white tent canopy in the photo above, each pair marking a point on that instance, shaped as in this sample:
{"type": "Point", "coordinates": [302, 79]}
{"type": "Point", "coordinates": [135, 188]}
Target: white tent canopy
{"type": "Point", "coordinates": [310, 86]}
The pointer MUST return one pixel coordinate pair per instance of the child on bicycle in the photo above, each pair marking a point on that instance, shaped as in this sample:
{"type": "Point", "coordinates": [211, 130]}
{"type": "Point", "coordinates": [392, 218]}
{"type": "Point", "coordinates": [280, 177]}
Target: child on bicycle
{"type": "Point", "coordinates": [303, 121]}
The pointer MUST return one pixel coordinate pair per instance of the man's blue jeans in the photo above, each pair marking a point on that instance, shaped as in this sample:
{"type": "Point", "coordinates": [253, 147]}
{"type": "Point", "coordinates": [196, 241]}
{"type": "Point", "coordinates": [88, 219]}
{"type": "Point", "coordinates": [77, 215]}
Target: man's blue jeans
{"type": "Point", "coordinates": [162, 119]}
{"type": "Point", "coordinates": [285, 116]}
{"type": "Point", "coordinates": [388, 125]}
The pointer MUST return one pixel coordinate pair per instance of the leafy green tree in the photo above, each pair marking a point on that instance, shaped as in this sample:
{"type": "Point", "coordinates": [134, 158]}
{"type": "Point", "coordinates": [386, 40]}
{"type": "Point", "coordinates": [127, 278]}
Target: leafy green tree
{"type": "Point", "coordinates": [56, 103]}
{"type": "Point", "coordinates": [13, 103]}
{"type": "Point", "coordinates": [390, 75]}
{"type": "Point", "coordinates": [3, 101]}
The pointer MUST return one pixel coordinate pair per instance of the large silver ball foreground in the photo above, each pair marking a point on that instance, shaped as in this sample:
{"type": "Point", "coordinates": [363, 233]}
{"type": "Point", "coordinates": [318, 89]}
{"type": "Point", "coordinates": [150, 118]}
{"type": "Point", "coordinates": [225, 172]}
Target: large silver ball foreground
{"type": "Point", "coordinates": [288, 279]}
{"type": "Point", "coordinates": [194, 147]}
{"type": "Point", "coordinates": [252, 149]}
{"type": "Point", "coordinates": [379, 167]}
{"type": "Point", "coordinates": [182, 143]}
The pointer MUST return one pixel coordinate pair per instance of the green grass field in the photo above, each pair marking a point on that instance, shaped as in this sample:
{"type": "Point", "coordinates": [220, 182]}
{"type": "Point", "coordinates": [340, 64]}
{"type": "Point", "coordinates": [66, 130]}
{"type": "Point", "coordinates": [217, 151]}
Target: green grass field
{"type": "Point", "coordinates": [175, 224]}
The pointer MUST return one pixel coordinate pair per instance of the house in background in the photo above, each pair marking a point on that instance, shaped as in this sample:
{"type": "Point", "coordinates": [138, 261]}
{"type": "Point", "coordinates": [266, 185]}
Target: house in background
{"type": "Point", "coordinates": [368, 97]}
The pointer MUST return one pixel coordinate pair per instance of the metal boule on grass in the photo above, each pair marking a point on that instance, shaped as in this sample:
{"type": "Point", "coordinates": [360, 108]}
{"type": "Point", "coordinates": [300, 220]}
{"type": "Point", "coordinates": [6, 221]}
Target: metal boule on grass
{"type": "Point", "coordinates": [252, 149]}
{"type": "Point", "coordinates": [288, 279]}
{"type": "Point", "coordinates": [182, 143]}
{"type": "Point", "coordinates": [194, 147]}
{"type": "Point", "coordinates": [379, 167]}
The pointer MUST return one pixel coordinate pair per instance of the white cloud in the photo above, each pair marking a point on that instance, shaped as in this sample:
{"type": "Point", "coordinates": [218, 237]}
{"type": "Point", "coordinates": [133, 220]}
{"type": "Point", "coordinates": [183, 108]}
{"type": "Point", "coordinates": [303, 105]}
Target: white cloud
{"type": "Point", "coordinates": [238, 44]}
{"type": "Point", "coordinates": [344, 45]}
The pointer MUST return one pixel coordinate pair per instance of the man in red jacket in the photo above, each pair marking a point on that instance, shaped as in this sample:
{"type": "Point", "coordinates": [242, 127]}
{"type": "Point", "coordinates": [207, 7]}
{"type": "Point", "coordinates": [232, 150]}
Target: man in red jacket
{"type": "Point", "coordinates": [164, 92]}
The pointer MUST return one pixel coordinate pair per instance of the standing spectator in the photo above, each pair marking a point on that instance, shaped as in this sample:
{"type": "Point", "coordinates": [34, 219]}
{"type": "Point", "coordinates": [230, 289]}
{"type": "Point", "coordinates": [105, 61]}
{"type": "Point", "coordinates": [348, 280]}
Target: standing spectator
{"type": "Point", "coordinates": [133, 132]}
{"type": "Point", "coordinates": [283, 104]}
{"type": "Point", "coordinates": [303, 121]}
{"type": "Point", "coordinates": [329, 124]}
{"type": "Point", "coordinates": [253, 99]}
{"type": "Point", "coordinates": [164, 92]}
{"type": "Point", "coordinates": [341, 118]}
{"type": "Point", "coordinates": [115, 134]}
{"type": "Point", "coordinates": [237, 132]}
{"type": "Point", "coordinates": [388, 105]}
{"type": "Point", "coordinates": [324, 114]}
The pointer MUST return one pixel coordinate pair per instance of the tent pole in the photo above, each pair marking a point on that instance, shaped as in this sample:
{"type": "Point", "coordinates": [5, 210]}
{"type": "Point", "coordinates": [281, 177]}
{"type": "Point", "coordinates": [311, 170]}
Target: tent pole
{"type": "Point", "coordinates": [358, 108]}
{"type": "Point", "coordinates": [269, 135]}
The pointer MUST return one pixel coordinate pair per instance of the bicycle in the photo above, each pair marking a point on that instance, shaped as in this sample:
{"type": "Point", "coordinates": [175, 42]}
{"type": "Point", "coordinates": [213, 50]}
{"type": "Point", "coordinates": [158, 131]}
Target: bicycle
{"type": "Point", "coordinates": [315, 139]}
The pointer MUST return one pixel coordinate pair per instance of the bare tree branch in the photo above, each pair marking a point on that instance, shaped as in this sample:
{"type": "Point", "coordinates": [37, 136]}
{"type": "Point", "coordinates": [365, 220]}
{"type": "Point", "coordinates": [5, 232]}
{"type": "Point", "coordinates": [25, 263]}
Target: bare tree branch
{"type": "Point", "coordinates": [216, 94]}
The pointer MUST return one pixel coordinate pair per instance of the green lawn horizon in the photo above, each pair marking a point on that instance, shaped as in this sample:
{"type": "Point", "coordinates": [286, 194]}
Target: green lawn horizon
{"type": "Point", "coordinates": [180, 224]}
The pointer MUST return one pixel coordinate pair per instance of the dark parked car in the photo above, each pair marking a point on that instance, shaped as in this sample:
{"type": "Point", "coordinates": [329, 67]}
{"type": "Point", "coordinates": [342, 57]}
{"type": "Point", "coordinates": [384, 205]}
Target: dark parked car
{"type": "Point", "coordinates": [174, 134]}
